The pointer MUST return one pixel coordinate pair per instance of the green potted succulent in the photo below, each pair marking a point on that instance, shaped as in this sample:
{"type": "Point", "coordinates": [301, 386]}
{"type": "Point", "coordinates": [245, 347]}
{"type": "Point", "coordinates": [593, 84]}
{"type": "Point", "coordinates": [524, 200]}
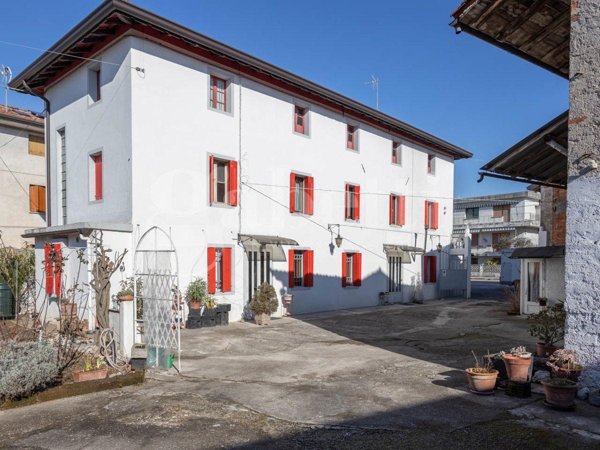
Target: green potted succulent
{"type": "Point", "coordinates": [264, 303]}
{"type": "Point", "coordinates": [548, 326]}
{"type": "Point", "coordinates": [197, 294]}
{"type": "Point", "coordinates": [126, 292]}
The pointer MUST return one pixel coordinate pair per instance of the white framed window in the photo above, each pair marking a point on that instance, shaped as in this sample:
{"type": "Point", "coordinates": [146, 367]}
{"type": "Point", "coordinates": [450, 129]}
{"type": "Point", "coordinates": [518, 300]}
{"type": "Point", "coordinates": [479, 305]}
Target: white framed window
{"type": "Point", "coordinates": [221, 181]}
{"type": "Point", "coordinates": [220, 94]}
{"type": "Point", "coordinates": [431, 164]}
{"type": "Point", "coordinates": [394, 273]}
{"type": "Point", "coordinates": [298, 268]}
{"type": "Point", "coordinates": [397, 153]}
{"type": "Point", "coordinates": [352, 137]}
{"type": "Point", "coordinates": [301, 120]}
{"type": "Point", "coordinates": [349, 269]}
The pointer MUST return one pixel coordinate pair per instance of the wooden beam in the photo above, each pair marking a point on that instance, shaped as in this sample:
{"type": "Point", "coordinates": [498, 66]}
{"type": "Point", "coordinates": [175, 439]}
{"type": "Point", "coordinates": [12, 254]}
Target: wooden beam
{"type": "Point", "coordinates": [487, 12]}
{"type": "Point", "coordinates": [551, 142]}
{"type": "Point", "coordinates": [525, 16]}
{"type": "Point", "coordinates": [561, 19]}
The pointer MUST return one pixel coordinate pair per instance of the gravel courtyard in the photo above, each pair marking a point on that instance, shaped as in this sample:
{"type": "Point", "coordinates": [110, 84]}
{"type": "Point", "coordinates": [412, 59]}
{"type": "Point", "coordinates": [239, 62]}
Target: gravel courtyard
{"type": "Point", "coordinates": [384, 377]}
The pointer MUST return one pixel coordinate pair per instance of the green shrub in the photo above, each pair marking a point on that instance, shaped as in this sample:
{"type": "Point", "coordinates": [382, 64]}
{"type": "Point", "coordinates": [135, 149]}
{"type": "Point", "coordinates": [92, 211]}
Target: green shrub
{"type": "Point", "coordinates": [197, 291]}
{"type": "Point", "coordinates": [549, 324]}
{"type": "Point", "coordinates": [26, 368]}
{"type": "Point", "coordinates": [264, 300]}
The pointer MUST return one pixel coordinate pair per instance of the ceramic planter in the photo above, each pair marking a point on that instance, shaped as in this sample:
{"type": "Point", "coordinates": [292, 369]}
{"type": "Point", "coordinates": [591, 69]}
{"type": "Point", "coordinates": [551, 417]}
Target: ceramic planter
{"type": "Point", "coordinates": [560, 393]}
{"type": "Point", "coordinates": [195, 304]}
{"type": "Point", "coordinates": [262, 319]}
{"type": "Point", "coordinates": [481, 382]}
{"type": "Point", "coordinates": [544, 350]}
{"type": "Point", "coordinates": [567, 374]}
{"type": "Point", "coordinates": [126, 298]}
{"type": "Point", "coordinates": [517, 368]}
{"type": "Point", "coordinates": [90, 375]}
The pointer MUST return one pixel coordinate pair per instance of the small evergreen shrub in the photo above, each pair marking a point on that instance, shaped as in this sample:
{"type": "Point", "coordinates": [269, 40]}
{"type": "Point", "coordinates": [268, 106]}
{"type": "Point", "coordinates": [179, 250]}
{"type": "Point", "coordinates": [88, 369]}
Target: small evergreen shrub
{"type": "Point", "coordinates": [26, 368]}
{"type": "Point", "coordinates": [197, 291]}
{"type": "Point", "coordinates": [265, 300]}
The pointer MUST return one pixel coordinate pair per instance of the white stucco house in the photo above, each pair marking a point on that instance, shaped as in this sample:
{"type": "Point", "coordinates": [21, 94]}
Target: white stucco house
{"type": "Point", "coordinates": [250, 171]}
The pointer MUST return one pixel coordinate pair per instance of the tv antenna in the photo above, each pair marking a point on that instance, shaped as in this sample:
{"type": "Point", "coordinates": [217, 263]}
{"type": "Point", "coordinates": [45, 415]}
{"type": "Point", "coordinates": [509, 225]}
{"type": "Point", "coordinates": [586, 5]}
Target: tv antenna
{"type": "Point", "coordinates": [374, 82]}
{"type": "Point", "coordinates": [6, 74]}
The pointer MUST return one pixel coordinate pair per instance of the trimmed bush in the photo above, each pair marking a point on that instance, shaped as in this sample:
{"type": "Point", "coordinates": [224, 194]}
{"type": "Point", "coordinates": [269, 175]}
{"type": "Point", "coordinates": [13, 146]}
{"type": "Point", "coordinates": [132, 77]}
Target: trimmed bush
{"type": "Point", "coordinates": [264, 300]}
{"type": "Point", "coordinates": [26, 368]}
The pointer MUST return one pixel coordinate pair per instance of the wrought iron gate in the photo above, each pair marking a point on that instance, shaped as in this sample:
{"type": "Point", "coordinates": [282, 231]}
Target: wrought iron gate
{"type": "Point", "coordinates": [157, 289]}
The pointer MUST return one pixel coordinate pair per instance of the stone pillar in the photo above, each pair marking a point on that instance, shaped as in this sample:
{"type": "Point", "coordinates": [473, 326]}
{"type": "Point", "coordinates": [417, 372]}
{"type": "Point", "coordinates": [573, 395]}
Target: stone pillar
{"type": "Point", "coordinates": [126, 327]}
{"type": "Point", "coordinates": [582, 264]}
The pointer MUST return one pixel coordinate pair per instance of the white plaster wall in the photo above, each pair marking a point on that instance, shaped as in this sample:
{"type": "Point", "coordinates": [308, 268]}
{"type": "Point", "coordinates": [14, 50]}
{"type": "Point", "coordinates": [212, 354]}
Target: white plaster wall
{"type": "Point", "coordinates": [90, 127]}
{"type": "Point", "coordinates": [14, 193]}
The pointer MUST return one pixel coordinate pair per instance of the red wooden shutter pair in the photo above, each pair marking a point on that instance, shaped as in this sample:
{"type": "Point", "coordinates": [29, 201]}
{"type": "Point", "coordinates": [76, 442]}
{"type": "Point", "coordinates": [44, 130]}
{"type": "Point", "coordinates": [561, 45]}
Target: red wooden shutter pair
{"type": "Point", "coordinates": [98, 175]}
{"type": "Point", "coordinates": [307, 265]}
{"type": "Point", "coordinates": [53, 268]}
{"type": "Point", "coordinates": [292, 192]}
{"type": "Point", "coordinates": [232, 188]}
{"type": "Point", "coordinates": [397, 209]}
{"type": "Point", "coordinates": [356, 269]}
{"type": "Point", "coordinates": [309, 189]}
{"type": "Point", "coordinates": [212, 269]}
{"type": "Point", "coordinates": [431, 222]}
{"type": "Point", "coordinates": [354, 191]}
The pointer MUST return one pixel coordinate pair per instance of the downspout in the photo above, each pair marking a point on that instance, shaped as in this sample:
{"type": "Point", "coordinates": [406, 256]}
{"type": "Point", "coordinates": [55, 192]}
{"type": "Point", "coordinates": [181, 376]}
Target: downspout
{"type": "Point", "coordinates": [47, 139]}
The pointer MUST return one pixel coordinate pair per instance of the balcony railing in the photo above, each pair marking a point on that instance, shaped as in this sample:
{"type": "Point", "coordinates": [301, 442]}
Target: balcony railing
{"type": "Point", "coordinates": [532, 219]}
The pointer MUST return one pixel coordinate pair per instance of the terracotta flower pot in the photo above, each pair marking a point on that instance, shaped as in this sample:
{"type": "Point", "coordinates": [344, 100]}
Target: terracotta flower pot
{"type": "Point", "coordinates": [126, 298]}
{"type": "Point", "coordinates": [195, 304]}
{"type": "Point", "coordinates": [90, 375]}
{"type": "Point", "coordinates": [262, 319]}
{"type": "Point", "coordinates": [481, 382]}
{"type": "Point", "coordinates": [544, 350]}
{"type": "Point", "coordinates": [560, 393]}
{"type": "Point", "coordinates": [517, 368]}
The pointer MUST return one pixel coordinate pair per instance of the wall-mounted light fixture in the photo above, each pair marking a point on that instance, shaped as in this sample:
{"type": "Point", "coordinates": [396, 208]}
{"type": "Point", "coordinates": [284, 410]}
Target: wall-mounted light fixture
{"type": "Point", "coordinates": [338, 239]}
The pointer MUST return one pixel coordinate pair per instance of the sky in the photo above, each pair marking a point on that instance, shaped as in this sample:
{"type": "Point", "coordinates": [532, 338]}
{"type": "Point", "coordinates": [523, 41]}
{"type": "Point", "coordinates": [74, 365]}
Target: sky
{"type": "Point", "coordinates": [456, 87]}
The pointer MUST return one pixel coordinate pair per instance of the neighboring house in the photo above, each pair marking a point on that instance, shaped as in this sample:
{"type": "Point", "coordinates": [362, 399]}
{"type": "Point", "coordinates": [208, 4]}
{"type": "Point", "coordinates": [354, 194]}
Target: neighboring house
{"type": "Point", "coordinates": [564, 153]}
{"type": "Point", "coordinates": [22, 174]}
{"type": "Point", "coordinates": [251, 171]}
{"type": "Point", "coordinates": [497, 222]}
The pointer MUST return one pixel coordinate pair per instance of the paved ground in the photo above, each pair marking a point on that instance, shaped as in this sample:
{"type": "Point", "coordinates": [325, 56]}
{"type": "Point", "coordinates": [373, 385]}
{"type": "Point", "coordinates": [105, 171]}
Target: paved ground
{"type": "Point", "coordinates": [384, 377]}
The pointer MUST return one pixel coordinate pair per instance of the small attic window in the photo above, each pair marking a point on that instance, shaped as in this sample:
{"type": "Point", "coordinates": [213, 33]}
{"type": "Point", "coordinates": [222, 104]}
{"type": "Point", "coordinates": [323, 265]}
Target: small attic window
{"type": "Point", "coordinates": [94, 86]}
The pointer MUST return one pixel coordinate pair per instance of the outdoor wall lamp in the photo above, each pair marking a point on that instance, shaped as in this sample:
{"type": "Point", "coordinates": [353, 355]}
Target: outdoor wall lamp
{"type": "Point", "coordinates": [338, 239]}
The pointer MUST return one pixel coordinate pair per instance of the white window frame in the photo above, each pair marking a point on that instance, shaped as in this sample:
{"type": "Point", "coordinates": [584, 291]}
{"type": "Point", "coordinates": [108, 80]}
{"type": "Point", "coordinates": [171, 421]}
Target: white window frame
{"type": "Point", "coordinates": [433, 164]}
{"type": "Point", "coordinates": [350, 268]}
{"type": "Point", "coordinates": [215, 168]}
{"type": "Point", "coordinates": [397, 145]}
{"type": "Point", "coordinates": [298, 268]}
{"type": "Point", "coordinates": [306, 120]}
{"type": "Point", "coordinates": [355, 138]}
{"type": "Point", "coordinates": [229, 82]}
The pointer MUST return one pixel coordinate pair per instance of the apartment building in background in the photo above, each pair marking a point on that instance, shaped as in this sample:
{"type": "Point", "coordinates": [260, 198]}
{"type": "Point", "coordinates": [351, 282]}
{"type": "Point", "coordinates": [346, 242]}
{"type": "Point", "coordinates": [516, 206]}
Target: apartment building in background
{"type": "Point", "coordinates": [22, 174]}
{"type": "Point", "coordinates": [497, 222]}
{"type": "Point", "coordinates": [246, 172]}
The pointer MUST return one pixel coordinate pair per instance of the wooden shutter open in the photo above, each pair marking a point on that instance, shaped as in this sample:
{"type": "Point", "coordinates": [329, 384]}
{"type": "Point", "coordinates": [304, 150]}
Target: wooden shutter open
{"type": "Point", "coordinates": [291, 269]}
{"type": "Point", "coordinates": [233, 183]}
{"type": "Point", "coordinates": [98, 176]}
{"type": "Point", "coordinates": [432, 269]}
{"type": "Point", "coordinates": [308, 268]}
{"type": "Point", "coordinates": [292, 192]}
{"type": "Point", "coordinates": [344, 255]}
{"type": "Point", "coordinates": [392, 218]}
{"type": "Point", "coordinates": [211, 178]}
{"type": "Point", "coordinates": [48, 269]}
{"type": "Point", "coordinates": [36, 145]}
{"type": "Point", "coordinates": [402, 208]}
{"type": "Point", "coordinates": [309, 195]}
{"type": "Point", "coordinates": [356, 203]}
{"type": "Point", "coordinates": [33, 199]}
{"type": "Point", "coordinates": [426, 214]}
{"type": "Point", "coordinates": [211, 263]}
{"type": "Point", "coordinates": [357, 269]}
{"type": "Point", "coordinates": [226, 261]}
{"type": "Point", "coordinates": [57, 270]}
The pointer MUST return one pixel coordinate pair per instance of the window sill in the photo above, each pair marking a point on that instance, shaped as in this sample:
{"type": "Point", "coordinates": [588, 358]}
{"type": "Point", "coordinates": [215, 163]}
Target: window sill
{"type": "Point", "coordinates": [301, 214]}
{"type": "Point", "coordinates": [92, 103]}
{"type": "Point", "coordinates": [222, 206]}
{"type": "Point", "coordinates": [300, 288]}
{"type": "Point", "coordinates": [351, 287]}
{"type": "Point", "coordinates": [304, 135]}
{"type": "Point", "coordinates": [397, 164]}
{"type": "Point", "coordinates": [220, 111]}
{"type": "Point", "coordinates": [353, 150]}
{"type": "Point", "coordinates": [351, 220]}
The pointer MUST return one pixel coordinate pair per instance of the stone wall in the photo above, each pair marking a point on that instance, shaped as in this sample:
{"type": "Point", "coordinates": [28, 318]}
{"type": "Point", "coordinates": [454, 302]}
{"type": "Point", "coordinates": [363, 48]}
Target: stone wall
{"type": "Point", "coordinates": [582, 269]}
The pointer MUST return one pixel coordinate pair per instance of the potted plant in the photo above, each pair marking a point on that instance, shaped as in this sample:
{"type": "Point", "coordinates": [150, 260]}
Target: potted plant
{"type": "Point", "coordinates": [94, 369]}
{"type": "Point", "coordinates": [482, 377]}
{"type": "Point", "coordinates": [560, 393]}
{"type": "Point", "coordinates": [197, 294]}
{"type": "Point", "coordinates": [264, 303]}
{"type": "Point", "coordinates": [518, 364]}
{"type": "Point", "coordinates": [563, 364]}
{"type": "Point", "coordinates": [549, 327]}
{"type": "Point", "coordinates": [126, 292]}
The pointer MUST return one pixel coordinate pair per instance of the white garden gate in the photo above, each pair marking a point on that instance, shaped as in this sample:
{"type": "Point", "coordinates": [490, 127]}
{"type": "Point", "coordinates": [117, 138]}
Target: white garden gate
{"type": "Point", "coordinates": [157, 297]}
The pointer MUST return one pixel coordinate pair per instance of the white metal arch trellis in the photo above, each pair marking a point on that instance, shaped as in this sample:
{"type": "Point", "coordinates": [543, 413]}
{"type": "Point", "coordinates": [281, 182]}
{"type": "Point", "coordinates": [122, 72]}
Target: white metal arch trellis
{"type": "Point", "coordinates": [156, 271]}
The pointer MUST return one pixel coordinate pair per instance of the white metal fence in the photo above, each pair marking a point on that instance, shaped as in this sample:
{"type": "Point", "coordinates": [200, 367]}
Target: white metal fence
{"type": "Point", "coordinates": [485, 270]}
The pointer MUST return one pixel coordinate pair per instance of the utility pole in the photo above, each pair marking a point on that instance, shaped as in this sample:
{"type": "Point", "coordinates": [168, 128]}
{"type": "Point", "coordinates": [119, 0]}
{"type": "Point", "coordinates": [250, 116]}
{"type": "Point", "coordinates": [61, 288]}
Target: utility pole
{"type": "Point", "coordinates": [6, 74]}
{"type": "Point", "coordinates": [374, 82]}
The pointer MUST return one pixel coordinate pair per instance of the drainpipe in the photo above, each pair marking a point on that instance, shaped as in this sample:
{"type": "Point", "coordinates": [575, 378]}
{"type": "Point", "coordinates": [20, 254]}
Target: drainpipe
{"type": "Point", "coordinates": [47, 138]}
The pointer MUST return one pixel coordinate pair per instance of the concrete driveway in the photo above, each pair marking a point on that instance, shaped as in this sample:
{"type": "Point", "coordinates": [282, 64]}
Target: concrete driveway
{"type": "Point", "coordinates": [383, 377]}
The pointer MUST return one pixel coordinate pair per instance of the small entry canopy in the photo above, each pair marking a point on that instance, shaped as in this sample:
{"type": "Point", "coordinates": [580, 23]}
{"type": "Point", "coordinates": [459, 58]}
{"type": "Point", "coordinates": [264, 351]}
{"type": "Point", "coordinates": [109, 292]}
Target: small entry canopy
{"type": "Point", "coordinates": [403, 251]}
{"type": "Point", "coordinates": [271, 244]}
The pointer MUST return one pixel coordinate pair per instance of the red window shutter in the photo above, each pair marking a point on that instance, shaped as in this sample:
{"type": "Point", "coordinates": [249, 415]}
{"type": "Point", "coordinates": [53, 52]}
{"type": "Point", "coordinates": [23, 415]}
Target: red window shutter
{"type": "Point", "coordinates": [48, 269]}
{"type": "Point", "coordinates": [432, 269]}
{"type": "Point", "coordinates": [357, 266]}
{"type": "Point", "coordinates": [98, 175]}
{"type": "Point", "coordinates": [402, 210]}
{"type": "Point", "coordinates": [344, 255]}
{"type": "Point", "coordinates": [392, 219]}
{"type": "Point", "coordinates": [435, 216]}
{"type": "Point", "coordinates": [57, 270]}
{"type": "Point", "coordinates": [211, 269]}
{"type": "Point", "coordinates": [292, 192]}
{"type": "Point", "coordinates": [426, 214]}
{"type": "Point", "coordinates": [291, 269]}
{"type": "Point", "coordinates": [226, 259]}
{"type": "Point", "coordinates": [211, 178]}
{"type": "Point", "coordinates": [308, 268]}
{"type": "Point", "coordinates": [425, 269]}
{"type": "Point", "coordinates": [309, 195]}
{"type": "Point", "coordinates": [356, 203]}
{"type": "Point", "coordinates": [233, 183]}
